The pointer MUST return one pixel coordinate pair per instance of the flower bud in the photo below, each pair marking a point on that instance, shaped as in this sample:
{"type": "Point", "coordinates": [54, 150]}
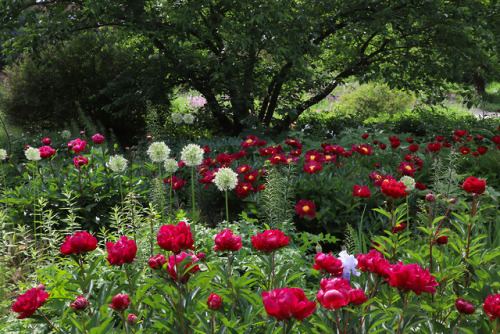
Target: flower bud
{"type": "Point", "coordinates": [132, 319]}
{"type": "Point", "coordinates": [453, 200]}
{"type": "Point", "coordinates": [443, 240]}
{"type": "Point", "coordinates": [80, 304]}
{"type": "Point", "coordinates": [464, 306]}
{"type": "Point", "coordinates": [430, 198]}
{"type": "Point", "coordinates": [41, 287]}
{"type": "Point", "coordinates": [201, 256]}
{"type": "Point", "coordinates": [214, 302]}
{"type": "Point", "coordinates": [319, 249]}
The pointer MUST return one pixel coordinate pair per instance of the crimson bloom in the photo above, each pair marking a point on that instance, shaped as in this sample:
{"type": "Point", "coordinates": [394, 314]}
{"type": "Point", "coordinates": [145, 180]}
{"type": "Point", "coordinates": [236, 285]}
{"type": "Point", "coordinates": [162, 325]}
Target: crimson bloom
{"type": "Point", "coordinates": [270, 240]}
{"type": "Point", "coordinates": [460, 133]}
{"type": "Point", "coordinates": [407, 168]}
{"type": "Point", "coordinates": [434, 147]}
{"type": "Point", "coordinates": [337, 292]}
{"type": "Point", "coordinates": [363, 149]}
{"type": "Point", "coordinates": [98, 138]}
{"type": "Point", "coordinates": [329, 264]}
{"type": "Point", "coordinates": [394, 189]}
{"type": "Point", "coordinates": [243, 188]}
{"type": "Point", "coordinates": [491, 307]}
{"type": "Point", "coordinates": [314, 156]}
{"type": "Point", "coordinates": [46, 141]}
{"type": "Point", "coordinates": [482, 150]}
{"type": "Point", "coordinates": [464, 306]}
{"type": "Point", "coordinates": [496, 139]}
{"type": "Point", "coordinates": [175, 182]}
{"type": "Point", "coordinates": [312, 167]}
{"type": "Point", "coordinates": [157, 262]}
{"type": "Point", "coordinates": [214, 302]}
{"type": "Point", "coordinates": [78, 243]}
{"type": "Point", "coordinates": [374, 262]}
{"type": "Point", "coordinates": [174, 238]}
{"type": "Point", "coordinates": [27, 303]}
{"type": "Point", "coordinates": [120, 302]}
{"type": "Point", "coordinates": [80, 161]}
{"type": "Point", "coordinates": [464, 150]}
{"type": "Point", "coordinates": [80, 304]}
{"type": "Point", "coordinates": [243, 169]}
{"type": "Point", "coordinates": [287, 303]}
{"type": "Point", "coordinates": [304, 207]}
{"type": "Point", "coordinates": [176, 259]}
{"type": "Point", "coordinates": [77, 145]}
{"type": "Point", "coordinates": [398, 227]}
{"type": "Point", "coordinates": [361, 191]}
{"type": "Point", "coordinates": [122, 252]}
{"type": "Point", "coordinates": [412, 277]}
{"type": "Point", "coordinates": [227, 241]}
{"type": "Point", "coordinates": [474, 185]}
{"type": "Point", "coordinates": [413, 148]}
{"type": "Point", "coordinates": [46, 151]}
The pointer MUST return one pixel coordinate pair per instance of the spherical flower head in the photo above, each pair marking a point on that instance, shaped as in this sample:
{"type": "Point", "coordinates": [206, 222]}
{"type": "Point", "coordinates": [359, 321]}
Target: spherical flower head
{"type": "Point", "coordinates": [305, 208]}
{"type": "Point", "coordinates": [171, 165]}
{"type": "Point", "coordinates": [65, 134]}
{"type": "Point", "coordinates": [192, 155]}
{"type": "Point", "coordinates": [27, 303]}
{"type": "Point", "coordinates": [32, 154]}
{"type": "Point", "coordinates": [80, 304]}
{"type": "Point", "coordinates": [491, 307]}
{"type": "Point", "coordinates": [430, 198]}
{"type": "Point", "coordinates": [123, 251]}
{"type": "Point", "coordinates": [349, 263]}
{"type": "Point", "coordinates": [158, 151]}
{"type": "Point", "coordinates": [175, 238]}
{"type": "Point", "coordinates": [270, 240]}
{"type": "Point", "coordinates": [464, 306]}
{"type": "Point", "coordinates": [118, 163]}
{"type": "Point", "coordinates": [98, 138]}
{"type": "Point", "coordinates": [188, 118]}
{"type": "Point", "coordinates": [474, 185]}
{"type": "Point", "coordinates": [214, 302]}
{"type": "Point", "coordinates": [120, 302]}
{"type": "Point", "coordinates": [327, 263]}
{"type": "Point", "coordinates": [157, 262]}
{"type": "Point", "coordinates": [177, 118]}
{"type": "Point", "coordinates": [225, 179]}
{"type": "Point", "coordinates": [227, 241]}
{"type": "Point", "coordinates": [408, 181]}
{"type": "Point", "coordinates": [394, 189]}
{"type": "Point", "coordinates": [412, 277]}
{"type": "Point", "coordinates": [287, 303]}
{"type": "Point", "coordinates": [176, 259]}
{"type": "Point", "coordinates": [80, 161]}
{"type": "Point", "coordinates": [80, 242]}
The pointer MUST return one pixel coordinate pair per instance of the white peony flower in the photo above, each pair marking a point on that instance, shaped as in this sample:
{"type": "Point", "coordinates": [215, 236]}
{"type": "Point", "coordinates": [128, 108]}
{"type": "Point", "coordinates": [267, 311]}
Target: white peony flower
{"type": "Point", "coordinates": [409, 182]}
{"type": "Point", "coordinates": [188, 118]}
{"type": "Point", "coordinates": [3, 154]}
{"type": "Point", "coordinates": [158, 151]}
{"type": "Point", "coordinates": [349, 263]}
{"type": "Point", "coordinates": [177, 118]}
{"type": "Point", "coordinates": [66, 134]}
{"type": "Point", "coordinates": [32, 154]}
{"type": "Point", "coordinates": [118, 164]}
{"type": "Point", "coordinates": [192, 155]}
{"type": "Point", "coordinates": [225, 179]}
{"type": "Point", "coordinates": [171, 166]}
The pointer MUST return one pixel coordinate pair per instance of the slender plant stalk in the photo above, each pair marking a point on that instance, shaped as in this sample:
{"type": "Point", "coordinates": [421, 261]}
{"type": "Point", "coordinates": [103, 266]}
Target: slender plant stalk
{"type": "Point", "coordinates": [212, 322]}
{"type": "Point", "coordinates": [124, 323]}
{"type": "Point", "coordinates": [284, 326]}
{"type": "Point", "coordinates": [498, 326]}
{"type": "Point", "coordinates": [179, 278]}
{"type": "Point", "coordinates": [80, 262]}
{"type": "Point", "coordinates": [403, 312]}
{"type": "Point", "coordinates": [192, 193]}
{"type": "Point", "coordinates": [227, 210]}
{"type": "Point", "coordinates": [47, 319]}
{"type": "Point", "coordinates": [337, 320]}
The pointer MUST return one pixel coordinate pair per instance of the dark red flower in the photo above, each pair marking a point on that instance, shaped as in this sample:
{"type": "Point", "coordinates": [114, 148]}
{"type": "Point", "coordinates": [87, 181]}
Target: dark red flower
{"type": "Point", "coordinates": [227, 241]}
{"type": "Point", "coordinates": [374, 262]}
{"type": "Point", "coordinates": [434, 147]}
{"type": "Point", "coordinates": [464, 306]}
{"type": "Point", "coordinates": [491, 307]}
{"type": "Point", "coordinates": [407, 168]}
{"type": "Point", "coordinates": [312, 167]}
{"type": "Point", "coordinates": [337, 292]}
{"type": "Point", "coordinates": [224, 159]}
{"type": "Point", "coordinates": [361, 191]}
{"type": "Point", "coordinates": [206, 149]}
{"type": "Point", "coordinates": [364, 135]}
{"type": "Point", "coordinates": [80, 161]}
{"type": "Point", "coordinates": [270, 240]}
{"type": "Point", "coordinates": [276, 158]}
{"type": "Point", "coordinates": [77, 145]}
{"type": "Point", "coordinates": [132, 319]}
{"type": "Point", "coordinates": [398, 227]}
{"type": "Point", "coordinates": [496, 139]}
{"type": "Point", "coordinates": [79, 242]}
{"type": "Point", "coordinates": [46, 151]}
{"type": "Point", "coordinates": [175, 238]}
{"type": "Point", "coordinates": [214, 302]}
{"type": "Point", "coordinates": [482, 150]}
{"type": "Point", "coordinates": [412, 277]}
{"type": "Point", "coordinates": [80, 304]}
{"type": "Point", "coordinates": [243, 188]}
{"type": "Point", "coordinates": [157, 262]}
{"type": "Point", "coordinates": [327, 263]}
{"type": "Point", "coordinates": [413, 148]}
{"type": "Point", "coordinates": [175, 182]}
{"type": "Point", "coordinates": [474, 185]}
{"type": "Point", "coordinates": [464, 150]}
{"type": "Point", "coordinates": [287, 303]}
{"type": "Point", "coordinates": [46, 141]}
{"type": "Point", "coordinates": [250, 141]}
{"type": "Point", "coordinates": [420, 186]}
{"type": "Point", "coordinates": [122, 252]}
{"type": "Point", "coordinates": [460, 133]}
{"type": "Point", "coordinates": [382, 146]}
{"type": "Point", "coordinates": [243, 169]}
{"type": "Point", "coordinates": [294, 142]}
{"type": "Point", "coordinates": [175, 260]}
{"type": "Point", "coordinates": [362, 149]}
{"type": "Point", "coordinates": [442, 240]}
{"type": "Point", "coordinates": [395, 144]}
{"type": "Point", "coordinates": [252, 176]}
{"type": "Point", "coordinates": [314, 156]}
{"type": "Point", "coordinates": [304, 207]}
{"type": "Point", "coordinates": [98, 138]}
{"type": "Point", "coordinates": [120, 302]}
{"type": "Point", "coordinates": [208, 177]}
{"type": "Point", "coordinates": [27, 303]}
{"type": "Point", "coordinates": [394, 189]}
{"type": "Point", "coordinates": [410, 140]}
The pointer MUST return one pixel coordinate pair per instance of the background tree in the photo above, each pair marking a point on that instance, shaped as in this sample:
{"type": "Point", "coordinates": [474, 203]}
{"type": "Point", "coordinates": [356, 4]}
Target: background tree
{"type": "Point", "coordinates": [265, 62]}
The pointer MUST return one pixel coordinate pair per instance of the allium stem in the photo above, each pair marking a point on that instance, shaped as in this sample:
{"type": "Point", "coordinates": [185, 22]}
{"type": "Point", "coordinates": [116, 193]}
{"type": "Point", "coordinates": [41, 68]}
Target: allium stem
{"type": "Point", "coordinates": [192, 192]}
{"type": "Point", "coordinates": [47, 319]}
{"type": "Point", "coordinates": [227, 210]}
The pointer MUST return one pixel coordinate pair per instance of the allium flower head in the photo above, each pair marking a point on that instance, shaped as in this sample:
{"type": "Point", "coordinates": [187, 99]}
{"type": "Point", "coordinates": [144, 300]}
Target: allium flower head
{"type": "Point", "coordinates": [158, 151]}
{"type": "Point", "coordinates": [32, 154]}
{"type": "Point", "coordinates": [188, 118]}
{"type": "Point", "coordinates": [118, 164]}
{"type": "Point", "coordinates": [66, 134]}
{"type": "Point", "coordinates": [171, 166]}
{"type": "Point", "coordinates": [349, 263]}
{"type": "Point", "coordinates": [225, 179]}
{"type": "Point", "coordinates": [3, 154]}
{"type": "Point", "coordinates": [408, 181]}
{"type": "Point", "coordinates": [177, 118]}
{"type": "Point", "coordinates": [192, 155]}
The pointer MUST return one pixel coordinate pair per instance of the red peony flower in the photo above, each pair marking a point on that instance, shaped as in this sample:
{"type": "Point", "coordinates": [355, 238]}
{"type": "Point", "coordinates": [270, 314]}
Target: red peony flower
{"type": "Point", "coordinates": [294, 142]}
{"type": "Point", "coordinates": [434, 147]}
{"type": "Point", "coordinates": [175, 260]}
{"type": "Point", "coordinates": [357, 296]}
{"type": "Point", "coordinates": [157, 262]}
{"type": "Point", "coordinates": [80, 304]}
{"type": "Point", "coordinates": [270, 240]}
{"type": "Point", "coordinates": [394, 189]}
{"type": "Point", "coordinates": [175, 238]}
{"type": "Point", "coordinates": [413, 148]}
{"type": "Point", "coordinates": [337, 292]}
{"type": "Point", "coordinates": [276, 158]}
{"type": "Point", "coordinates": [314, 156]}
{"type": "Point", "coordinates": [474, 185]}
{"type": "Point", "coordinates": [227, 241]}
{"type": "Point", "coordinates": [361, 191]}
{"type": "Point", "coordinates": [46, 151]}
{"type": "Point", "coordinates": [482, 150]}
{"type": "Point", "coordinates": [27, 303]}
{"type": "Point", "coordinates": [439, 138]}
{"type": "Point", "coordinates": [420, 186]}
{"type": "Point", "coordinates": [175, 182]}
{"type": "Point", "coordinates": [412, 277]}
{"type": "Point", "coordinates": [362, 149]}
{"type": "Point", "coordinates": [78, 243]}
{"type": "Point", "coordinates": [80, 161]}
{"type": "Point", "coordinates": [132, 319]}
{"type": "Point", "coordinates": [329, 264]}
{"type": "Point", "coordinates": [122, 252]}
{"type": "Point", "coordinates": [77, 145]}
{"type": "Point", "coordinates": [398, 227]}
{"type": "Point", "coordinates": [250, 141]}
{"type": "Point", "coordinates": [410, 140]}
{"type": "Point", "coordinates": [395, 144]}
{"type": "Point", "coordinates": [287, 303]}
{"type": "Point", "coordinates": [442, 240]}
{"type": "Point", "coordinates": [464, 150]}
{"type": "Point", "coordinates": [491, 307]}
{"type": "Point", "coordinates": [46, 141]}
{"type": "Point", "coordinates": [407, 168]}
{"type": "Point", "coordinates": [296, 152]}
{"type": "Point", "coordinates": [242, 189]}
{"type": "Point", "coordinates": [120, 302]}
{"type": "Point", "coordinates": [214, 302]}
{"type": "Point", "coordinates": [304, 207]}
{"type": "Point", "coordinates": [460, 133]}
{"type": "Point", "coordinates": [364, 135]}
{"type": "Point", "coordinates": [252, 176]}
{"type": "Point", "coordinates": [98, 138]}
{"type": "Point", "coordinates": [374, 262]}
{"type": "Point", "coordinates": [208, 177]}
{"type": "Point", "coordinates": [464, 306]}
{"type": "Point", "coordinates": [243, 169]}
{"type": "Point", "coordinates": [382, 146]}
{"type": "Point", "coordinates": [312, 167]}
{"type": "Point", "coordinates": [496, 139]}
{"type": "Point", "coordinates": [206, 149]}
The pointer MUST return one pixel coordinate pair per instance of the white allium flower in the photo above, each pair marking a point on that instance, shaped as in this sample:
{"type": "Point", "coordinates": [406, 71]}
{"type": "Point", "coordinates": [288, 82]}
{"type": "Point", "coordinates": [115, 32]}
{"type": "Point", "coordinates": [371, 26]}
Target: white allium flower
{"type": "Point", "coordinates": [32, 154]}
{"type": "Point", "coordinates": [349, 263]}
{"type": "Point", "coordinates": [158, 151]}
{"type": "Point", "coordinates": [3, 154]}
{"type": "Point", "coordinates": [409, 182]}
{"type": "Point", "coordinates": [66, 134]}
{"type": "Point", "coordinates": [192, 155]}
{"type": "Point", "coordinates": [225, 179]}
{"type": "Point", "coordinates": [118, 164]}
{"type": "Point", "coordinates": [177, 118]}
{"type": "Point", "coordinates": [188, 118]}
{"type": "Point", "coordinates": [171, 166]}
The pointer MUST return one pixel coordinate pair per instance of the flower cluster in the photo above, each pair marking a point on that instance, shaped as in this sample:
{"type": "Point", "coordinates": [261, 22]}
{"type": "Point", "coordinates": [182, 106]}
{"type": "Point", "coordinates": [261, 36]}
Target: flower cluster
{"type": "Point", "coordinates": [192, 155]}
{"type": "Point", "coordinates": [118, 163]}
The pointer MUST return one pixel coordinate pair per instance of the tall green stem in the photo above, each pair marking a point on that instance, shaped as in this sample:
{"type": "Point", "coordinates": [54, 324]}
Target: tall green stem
{"type": "Point", "coordinates": [227, 210]}
{"type": "Point", "coordinates": [192, 193]}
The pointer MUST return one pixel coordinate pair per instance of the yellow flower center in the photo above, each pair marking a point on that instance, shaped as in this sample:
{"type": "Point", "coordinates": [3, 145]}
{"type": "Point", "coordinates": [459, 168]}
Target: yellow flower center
{"type": "Point", "coordinates": [378, 177]}
{"type": "Point", "coordinates": [312, 157]}
{"type": "Point", "coordinates": [249, 141]}
{"type": "Point", "coordinates": [364, 149]}
{"type": "Point", "coordinates": [311, 168]}
{"type": "Point", "coordinates": [408, 167]}
{"type": "Point", "coordinates": [305, 208]}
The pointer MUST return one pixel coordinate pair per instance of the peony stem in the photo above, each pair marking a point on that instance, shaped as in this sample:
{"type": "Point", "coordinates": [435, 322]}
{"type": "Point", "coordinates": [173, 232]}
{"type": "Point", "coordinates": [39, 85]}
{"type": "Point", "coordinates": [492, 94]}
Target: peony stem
{"type": "Point", "coordinates": [459, 322]}
{"type": "Point", "coordinates": [284, 326]}
{"type": "Point", "coordinates": [50, 323]}
{"type": "Point", "coordinates": [498, 326]}
{"type": "Point", "coordinates": [472, 214]}
{"type": "Point", "coordinates": [337, 320]}
{"type": "Point", "coordinates": [212, 322]}
{"type": "Point", "coordinates": [80, 262]}
{"type": "Point", "coordinates": [403, 312]}
{"type": "Point", "coordinates": [130, 285]}
{"type": "Point", "coordinates": [124, 323]}
{"type": "Point", "coordinates": [179, 278]}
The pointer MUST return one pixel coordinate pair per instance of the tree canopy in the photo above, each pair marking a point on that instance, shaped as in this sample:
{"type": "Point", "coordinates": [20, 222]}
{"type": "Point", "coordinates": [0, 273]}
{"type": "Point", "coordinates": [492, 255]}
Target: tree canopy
{"type": "Point", "coordinates": [267, 61]}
